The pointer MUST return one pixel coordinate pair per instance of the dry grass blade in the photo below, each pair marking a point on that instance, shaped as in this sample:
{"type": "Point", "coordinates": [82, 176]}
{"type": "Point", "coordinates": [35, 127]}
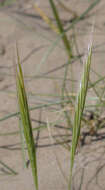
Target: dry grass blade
{"type": "Point", "coordinates": [46, 19]}
{"type": "Point", "coordinates": [25, 118]}
{"type": "Point", "coordinates": [79, 111]}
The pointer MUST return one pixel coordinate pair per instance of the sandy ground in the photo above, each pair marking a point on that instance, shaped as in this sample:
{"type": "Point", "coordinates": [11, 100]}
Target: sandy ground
{"type": "Point", "coordinates": [20, 22]}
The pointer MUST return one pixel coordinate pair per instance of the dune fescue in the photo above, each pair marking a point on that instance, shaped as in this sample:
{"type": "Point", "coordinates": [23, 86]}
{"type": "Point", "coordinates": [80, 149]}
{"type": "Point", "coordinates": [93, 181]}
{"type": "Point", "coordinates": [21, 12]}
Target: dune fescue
{"type": "Point", "coordinates": [25, 119]}
{"type": "Point", "coordinates": [81, 98]}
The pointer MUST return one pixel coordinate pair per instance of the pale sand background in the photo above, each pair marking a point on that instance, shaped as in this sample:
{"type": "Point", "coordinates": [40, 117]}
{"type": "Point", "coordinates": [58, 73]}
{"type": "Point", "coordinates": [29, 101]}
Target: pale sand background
{"type": "Point", "coordinates": [91, 159]}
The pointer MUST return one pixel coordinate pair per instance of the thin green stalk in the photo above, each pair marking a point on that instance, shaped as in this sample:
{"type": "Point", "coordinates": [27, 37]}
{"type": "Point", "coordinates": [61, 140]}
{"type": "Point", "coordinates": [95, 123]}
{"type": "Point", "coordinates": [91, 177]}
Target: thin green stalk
{"type": "Point", "coordinates": [56, 42]}
{"type": "Point", "coordinates": [83, 15]}
{"type": "Point", "coordinates": [11, 171]}
{"type": "Point", "coordinates": [34, 108]}
{"type": "Point", "coordinates": [61, 30]}
{"type": "Point", "coordinates": [78, 19]}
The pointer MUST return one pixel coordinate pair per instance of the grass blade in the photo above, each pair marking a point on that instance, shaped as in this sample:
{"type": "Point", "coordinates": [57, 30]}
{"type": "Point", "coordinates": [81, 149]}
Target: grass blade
{"type": "Point", "coordinates": [10, 170]}
{"type": "Point", "coordinates": [79, 111]}
{"type": "Point", "coordinates": [61, 30]}
{"type": "Point", "coordinates": [46, 19]}
{"type": "Point", "coordinates": [67, 9]}
{"type": "Point", "coordinates": [26, 122]}
{"type": "Point", "coordinates": [83, 15]}
{"type": "Point", "coordinates": [22, 142]}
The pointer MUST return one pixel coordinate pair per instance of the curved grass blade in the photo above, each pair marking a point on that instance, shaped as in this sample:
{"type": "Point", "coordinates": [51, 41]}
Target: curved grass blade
{"type": "Point", "coordinates": [26, 121]}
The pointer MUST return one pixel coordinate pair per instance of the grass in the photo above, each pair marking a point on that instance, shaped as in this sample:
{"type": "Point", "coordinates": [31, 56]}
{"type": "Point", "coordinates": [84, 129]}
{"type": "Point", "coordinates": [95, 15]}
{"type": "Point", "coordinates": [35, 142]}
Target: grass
{"type": "Point", "coordinates": [80, 104]}
{"type": "Point", "coordinates": [24, 113]}
{"type": "Point", "coordinates": [65, 104]}
{"type": "Point", "coordinates": [26, 121]}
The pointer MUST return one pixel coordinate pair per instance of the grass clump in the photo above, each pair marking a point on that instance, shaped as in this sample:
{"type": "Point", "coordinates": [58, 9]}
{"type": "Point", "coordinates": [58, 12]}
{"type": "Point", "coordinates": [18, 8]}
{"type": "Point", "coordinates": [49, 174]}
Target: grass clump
{"type": "Point", "coordinates": [64, 99]}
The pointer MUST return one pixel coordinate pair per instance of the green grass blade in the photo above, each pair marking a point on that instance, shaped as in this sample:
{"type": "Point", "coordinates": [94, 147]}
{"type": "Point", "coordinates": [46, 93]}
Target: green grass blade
{"type": "Point", "coordinates": [26, 122]}
{"type": "Point", "coordinates": [56, 42]}
{"type": "Point", "coordinates": [34, 108]}
{"type": "Point", "coordinates": [61, 30]}
{"type": "Point", "coordinates": [83, 15]}
{"type": "Point", "coordinates": [79, 111]}
{"type": "Point", "coordinates": [10, 170]}
{"type": "Point", "coordinates": [22, 142]}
